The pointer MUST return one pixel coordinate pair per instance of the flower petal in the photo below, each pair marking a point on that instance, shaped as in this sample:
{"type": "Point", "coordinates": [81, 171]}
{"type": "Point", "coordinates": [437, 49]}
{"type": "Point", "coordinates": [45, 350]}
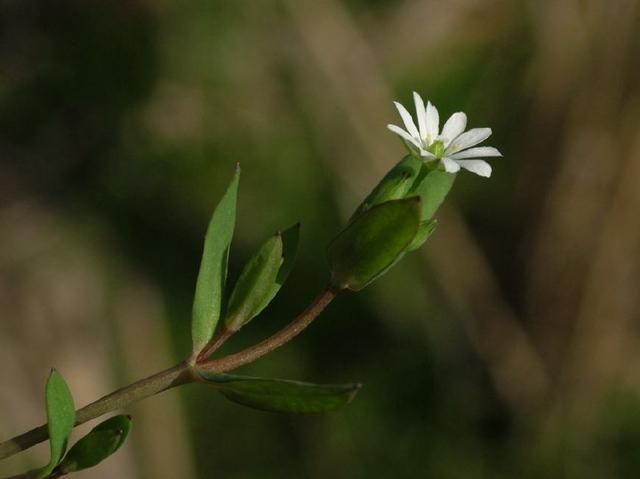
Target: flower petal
{"type": "Point", "coordinates": [407, 120]}
{"type": "Point", "coordinates": [477, 152]}
{"type": "Point", "coordinates": [450, 166]}
{"type": "Point", "coordinates": [468, 139]}
{"type": "Point", "coordinates": [479, 167]}
{"type": "Point", "coordinates": [427, 155]}
{"type": "Point", "coordinates": [433, 123]}
{"type": "Point", "coordinates": [421, 115]}
{"type": "Point", "coordinates": [399, 131]}
{"type": "Point", "coordinates": [453, 127]}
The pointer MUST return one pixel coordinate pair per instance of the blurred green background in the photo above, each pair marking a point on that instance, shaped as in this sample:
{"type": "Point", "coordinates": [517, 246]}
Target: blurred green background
{"type": "Point", "coordinates": [509, 346]}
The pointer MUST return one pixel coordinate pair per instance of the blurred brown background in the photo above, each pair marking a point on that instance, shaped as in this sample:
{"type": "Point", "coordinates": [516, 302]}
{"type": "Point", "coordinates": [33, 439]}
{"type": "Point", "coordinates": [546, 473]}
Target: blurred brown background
{"type": "Point", "coordinates": [508, 347]}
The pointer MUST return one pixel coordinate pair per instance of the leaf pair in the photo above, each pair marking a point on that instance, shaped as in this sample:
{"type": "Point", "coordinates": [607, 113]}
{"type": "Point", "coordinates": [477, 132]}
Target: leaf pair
{"type": "Point", "coordinates": [258, 283]}
{"type": "Point", "coordinates": [394, 219]}
{"type": "Point", "coordinates": [262, 277]}
{"type": "Point", "coordinates": [97, 445]}
{"type": "Point", "coordinates": [281, 395]}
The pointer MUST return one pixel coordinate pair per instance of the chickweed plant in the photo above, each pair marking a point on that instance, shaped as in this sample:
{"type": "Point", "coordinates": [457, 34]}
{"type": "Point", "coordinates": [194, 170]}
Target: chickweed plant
{"type": "Point", "coordinates": [396, 218]}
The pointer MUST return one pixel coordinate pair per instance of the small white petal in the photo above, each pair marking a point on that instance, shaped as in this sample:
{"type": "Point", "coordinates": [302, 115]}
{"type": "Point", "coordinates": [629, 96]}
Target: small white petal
{"type": "Point", "coordinates": [421, 115]}
{"type": "Point", "coordinates": [428, 155]}
{"type": "Point", "coordinates": [453, 127]}
{"type": "Point", "coordinates": [399, 131]}
{"type": "Point", "coordinates": [477, 152]}
{"type": "Point", "coordinates": [479, 167]}
{"type": "Point", "coordinates": [450, 166]}
{"type": "Point", "coordinates": [468, 139]}
{"type": "Point", "coordinates": [407, 120]}
{"type": "Point", "coordinates": [433, 123]}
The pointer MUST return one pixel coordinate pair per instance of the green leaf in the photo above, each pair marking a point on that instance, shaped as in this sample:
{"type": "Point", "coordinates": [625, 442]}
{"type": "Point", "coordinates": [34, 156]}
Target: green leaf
{"type": "Point", "coordinates": [101, 442]}
{"type": "Point", "coordinates": [395, 184]}
{"type": "Point", "coordinates": [432, 185]}
{"type": "Point", "coordinates": [61, 418]}
{"type": "Point", "coordinates": [207, 302]}
{"type": "Point", "coordinates": [282, 395]}
{"type": "Point", "coordinates": [425, 230]}
{"type": "Point", "coordinates": [290, 238]}
{"type": "Point", "coordinates": [255, 284]}
{"type": "Point", "coordinates": [373, 242]}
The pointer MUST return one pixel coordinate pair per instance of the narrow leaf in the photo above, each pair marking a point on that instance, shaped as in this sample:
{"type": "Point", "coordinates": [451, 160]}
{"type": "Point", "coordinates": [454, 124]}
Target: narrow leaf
{"type": "Point", "coordinates": [60, 417]}
{"type": "Point", "coordinates": [373, 242]}
{"type": "Point", "coordinates": [395, 184]}
{"type": "Point", "coordinates": [290, 238]}
{"type": "Point", "coordinates": [207, 302]}
{"type": "Point", "coordinates": [432, 185]}
{"type": "Point", "coordinates": [254, 286]}
{"type": "Point", "coordinates": [101, 442]}
{"type": "Point", "coordinates": [425, 230]}
{"type": "Point", "coordinates": [282, 395]}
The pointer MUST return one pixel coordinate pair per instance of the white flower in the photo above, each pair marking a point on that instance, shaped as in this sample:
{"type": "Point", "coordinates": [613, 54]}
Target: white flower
{"type": "Point", "coordinates": [452, 146]}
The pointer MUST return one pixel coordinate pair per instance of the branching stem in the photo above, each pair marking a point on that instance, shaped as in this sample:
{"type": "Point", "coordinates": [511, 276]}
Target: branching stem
{"type": "Point", "coordinates": [180, 374]}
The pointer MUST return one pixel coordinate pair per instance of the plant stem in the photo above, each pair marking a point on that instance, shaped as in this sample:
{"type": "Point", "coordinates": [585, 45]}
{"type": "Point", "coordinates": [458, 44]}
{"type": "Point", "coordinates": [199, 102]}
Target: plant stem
{"type": "Point", "coordinates": [167, 379]}
{"type": "Point", "coordinates": [214, 344]}
{"type": "Point", "coordinates": [283, 336]}
{"type": "Point", "coordinates": [183, 373]}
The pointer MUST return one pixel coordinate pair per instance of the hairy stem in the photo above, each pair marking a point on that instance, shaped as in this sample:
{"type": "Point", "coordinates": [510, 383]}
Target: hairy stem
{"type": "Point", "coordinates": [183, 373]}
{"type": "Point", "coordinates": [167, 379]}
{"type": "Point", "coordinates": [283, 336]}
{"type": "Point", "coordinates": [214, 344]}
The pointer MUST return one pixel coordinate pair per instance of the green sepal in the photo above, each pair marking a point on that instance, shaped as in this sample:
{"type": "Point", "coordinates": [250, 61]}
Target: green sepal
{"type": "Point", "coordinates": [101, 442]}
{"type": "Point", "coordinates": [432, 185]}
{"type": "Point", "coordinates": [373, 242]}
{"type": "Point", "coordinates": [425, 230]}
{"type": "Point", "coordinates": [395, 184]}
{"type": "Point", "coordinates": [61, 418]}
{"type": "Point", "coordinates": [255, 285]}
{"type": "Point", "coordinates": [207, 302]}
{"type": "Point", "coordinates": [282, 395]}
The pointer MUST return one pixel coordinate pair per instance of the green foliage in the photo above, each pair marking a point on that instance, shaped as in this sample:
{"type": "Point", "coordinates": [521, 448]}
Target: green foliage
{"type": "Point", "coordinates": [101, 442]}
{"type": "Point", "coordinates": [207, 303]}
{"type": "Point", "coordinates": [282, 395]}
{"type": "Point", "coordinates": [290, 238]}
{"type": "Point", "coordinates": [61, 418]}
{"type": "Point", "coordinates": [255, 284]}
{"type": "Point", "coordinates": [373, 242]}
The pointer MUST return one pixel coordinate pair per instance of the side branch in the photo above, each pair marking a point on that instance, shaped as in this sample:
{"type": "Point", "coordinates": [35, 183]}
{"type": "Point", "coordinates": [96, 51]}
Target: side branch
{"type": "Point", "coordinates": [283, 336]}
{"type": "Point", "coordinates": [183, 373]}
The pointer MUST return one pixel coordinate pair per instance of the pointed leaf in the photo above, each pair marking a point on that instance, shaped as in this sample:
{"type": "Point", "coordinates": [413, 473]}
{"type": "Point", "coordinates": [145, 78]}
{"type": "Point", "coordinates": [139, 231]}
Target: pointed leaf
{"type": "Point", "coordinates": [255, 284]}
{"type": "Point", "coordinates": [207, 302]}
{"type": "Point", "coordinates": [432, 185]}
{"type": "Point", "coordinates": [282, 395]}
{"type": "Point", "coordinates": [395, 184]}
{"type": "Point", "coordinates": [373, 242]}
{"type": "Point", "coordinates": [425, 230]}
{"type": "Point", "coordinates": [103, 440]}
{"type": "Point", "coordinates": [61, 418]}
{"type": "Point", "coordinates": [290, 238]}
